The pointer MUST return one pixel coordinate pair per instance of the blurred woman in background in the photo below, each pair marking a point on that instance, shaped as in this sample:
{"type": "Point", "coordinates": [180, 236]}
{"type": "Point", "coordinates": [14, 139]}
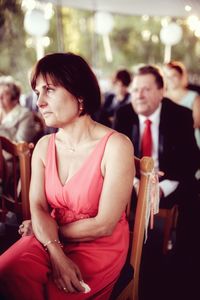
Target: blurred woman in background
{"type": "Point", "coordinates": [176, 89]}
{"type": "Point", "coordinates": [16, 122]}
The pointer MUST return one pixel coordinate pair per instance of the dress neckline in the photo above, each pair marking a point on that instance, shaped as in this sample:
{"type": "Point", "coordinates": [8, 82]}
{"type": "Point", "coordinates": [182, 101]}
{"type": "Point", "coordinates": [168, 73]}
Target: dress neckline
{"type": "Point", "coordinates": [84, 162]}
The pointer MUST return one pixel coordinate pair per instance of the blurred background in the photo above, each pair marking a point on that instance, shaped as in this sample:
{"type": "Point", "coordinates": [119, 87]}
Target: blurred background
{"type": "Point", "coordinates": [109, 34]}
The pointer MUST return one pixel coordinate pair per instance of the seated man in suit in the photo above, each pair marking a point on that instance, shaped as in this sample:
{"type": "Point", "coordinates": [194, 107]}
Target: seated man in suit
{"type": "Point", "coordinates": [172, 145]}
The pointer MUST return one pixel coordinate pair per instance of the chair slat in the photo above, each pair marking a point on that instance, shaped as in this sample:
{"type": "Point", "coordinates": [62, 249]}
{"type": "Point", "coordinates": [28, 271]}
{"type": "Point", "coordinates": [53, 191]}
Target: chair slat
{"type": "Point", "coordinates": [144, 167]}
{"type": "Point", "coordinates": [15, 187]}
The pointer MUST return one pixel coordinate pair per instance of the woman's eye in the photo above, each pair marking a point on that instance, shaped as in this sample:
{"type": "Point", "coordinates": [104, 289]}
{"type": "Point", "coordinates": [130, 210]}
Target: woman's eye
{"type": "Point", "coordinates": [49, 90]}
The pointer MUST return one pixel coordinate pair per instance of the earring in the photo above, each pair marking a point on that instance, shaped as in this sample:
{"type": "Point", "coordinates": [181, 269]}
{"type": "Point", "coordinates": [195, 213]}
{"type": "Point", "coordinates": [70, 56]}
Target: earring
{"type": "Point", "coordinates": [81, 106]}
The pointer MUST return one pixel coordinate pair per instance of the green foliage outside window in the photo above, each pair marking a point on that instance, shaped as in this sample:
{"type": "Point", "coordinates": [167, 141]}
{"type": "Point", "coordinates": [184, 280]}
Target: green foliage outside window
{"type": "Point", "coordinates": [76, 33]}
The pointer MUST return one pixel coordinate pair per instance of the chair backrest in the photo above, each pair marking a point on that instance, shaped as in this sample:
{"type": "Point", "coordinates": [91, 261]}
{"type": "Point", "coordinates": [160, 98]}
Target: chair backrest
{"type": "Point", "coordinates": [15, 174]}
{"type": "Point", "coordinates": [39, 127]}
{"type": "Point", "coordinates": [144, 167]}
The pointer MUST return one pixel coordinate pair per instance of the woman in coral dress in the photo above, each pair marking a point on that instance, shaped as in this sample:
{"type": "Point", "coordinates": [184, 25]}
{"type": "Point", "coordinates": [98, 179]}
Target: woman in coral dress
{"type": "Point", "coordinates": [80, 185]}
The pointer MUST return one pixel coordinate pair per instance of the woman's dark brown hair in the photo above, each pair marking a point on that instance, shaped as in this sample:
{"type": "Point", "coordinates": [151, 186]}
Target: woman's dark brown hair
{"type": "Point", "coordinates": [73, 73]}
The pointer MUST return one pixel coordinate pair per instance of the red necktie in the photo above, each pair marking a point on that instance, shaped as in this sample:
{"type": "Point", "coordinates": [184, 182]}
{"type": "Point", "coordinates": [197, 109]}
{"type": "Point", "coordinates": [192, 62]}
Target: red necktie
{"type": "Point", "coordinates": [146, 142]}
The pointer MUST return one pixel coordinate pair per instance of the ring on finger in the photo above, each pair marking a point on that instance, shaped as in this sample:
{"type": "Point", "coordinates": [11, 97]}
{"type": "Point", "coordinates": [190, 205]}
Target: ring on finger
{"type": "Point", "coordinates": [64, 289]}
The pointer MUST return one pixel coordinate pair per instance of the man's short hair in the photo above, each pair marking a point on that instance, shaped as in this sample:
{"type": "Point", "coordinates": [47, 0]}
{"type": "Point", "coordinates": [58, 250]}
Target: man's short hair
{"type": "Point", "coordinates": [153, 70]}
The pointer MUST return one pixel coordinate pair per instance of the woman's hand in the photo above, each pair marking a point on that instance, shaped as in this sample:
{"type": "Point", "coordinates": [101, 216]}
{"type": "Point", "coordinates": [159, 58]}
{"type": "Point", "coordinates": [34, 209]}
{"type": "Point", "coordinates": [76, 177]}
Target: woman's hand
{"type": "Point", "coordinates": [65, 273]}
{"type": "Point", "coordinates": [26, 228]}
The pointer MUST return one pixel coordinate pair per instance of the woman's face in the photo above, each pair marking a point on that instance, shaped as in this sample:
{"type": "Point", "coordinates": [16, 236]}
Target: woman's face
{"type": "Point", "coordinates": [6, 103]}
{"type": "Point", "coordinates": [173, 78]}
{"type": "Point", "coordinates": [57, 106]}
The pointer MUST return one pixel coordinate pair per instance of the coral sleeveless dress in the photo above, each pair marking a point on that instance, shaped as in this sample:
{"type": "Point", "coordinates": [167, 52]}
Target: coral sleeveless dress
{"type": "Point", "coordinates": [25, 267]}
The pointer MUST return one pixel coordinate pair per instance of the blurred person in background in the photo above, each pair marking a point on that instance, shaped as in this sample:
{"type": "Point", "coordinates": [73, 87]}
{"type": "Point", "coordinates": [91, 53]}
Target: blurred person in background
{"type": "Point", "coordinates": [176, 80]}
{"type": "Point", "coordinates": [174, 149]}
{"type": "Point", "coordinates": [115, 99]}
{"type": "Point", "coordinates": [16, 122]}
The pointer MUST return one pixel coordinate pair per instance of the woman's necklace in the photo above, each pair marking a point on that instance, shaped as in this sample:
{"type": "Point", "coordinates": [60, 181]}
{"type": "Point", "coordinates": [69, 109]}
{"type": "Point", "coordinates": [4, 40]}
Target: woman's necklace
{"type": "Point", "coordinates": [73, 149]}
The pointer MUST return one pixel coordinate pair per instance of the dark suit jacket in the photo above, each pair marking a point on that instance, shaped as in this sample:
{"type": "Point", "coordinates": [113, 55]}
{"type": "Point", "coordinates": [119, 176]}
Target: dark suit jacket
{"type": "Point", "coordinates": [178, 152]}
{"type": "Point", "coordinates": [108, 108]}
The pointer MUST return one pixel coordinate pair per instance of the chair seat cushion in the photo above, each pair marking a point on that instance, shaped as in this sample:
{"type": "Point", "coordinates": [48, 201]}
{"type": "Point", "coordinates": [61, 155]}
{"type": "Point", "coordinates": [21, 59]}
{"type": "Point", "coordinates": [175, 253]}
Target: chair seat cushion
{"type": "Point", "coordinates": [126, 275]}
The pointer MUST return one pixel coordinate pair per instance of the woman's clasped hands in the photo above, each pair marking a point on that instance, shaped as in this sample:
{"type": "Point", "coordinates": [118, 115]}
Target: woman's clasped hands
{"type": "Point", "coordinates": [65, 273]}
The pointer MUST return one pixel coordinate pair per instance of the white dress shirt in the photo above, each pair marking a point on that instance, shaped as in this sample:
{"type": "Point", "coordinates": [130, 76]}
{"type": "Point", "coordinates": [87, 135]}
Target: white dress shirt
{"type": "Point", "coordinates": [167, 186]}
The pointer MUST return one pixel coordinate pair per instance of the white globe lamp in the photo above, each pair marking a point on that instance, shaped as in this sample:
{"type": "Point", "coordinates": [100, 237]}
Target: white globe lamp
{"type": "Point", "coordinates": [35, 23]}
{"type": "Point", "coordinates": [37, 26]}
{"type": "Point", "coordinates": [103, 25]}
{"type": "Point", "coordinates": [170, 35]}
{"type": "Point", "coordinates": [103, 22]}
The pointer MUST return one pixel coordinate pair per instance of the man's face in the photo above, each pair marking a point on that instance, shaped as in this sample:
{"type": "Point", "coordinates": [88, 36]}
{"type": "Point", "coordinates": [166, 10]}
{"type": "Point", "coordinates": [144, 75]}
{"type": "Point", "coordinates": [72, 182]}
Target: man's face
{"type": "Point", "coordinates": [146, 96]}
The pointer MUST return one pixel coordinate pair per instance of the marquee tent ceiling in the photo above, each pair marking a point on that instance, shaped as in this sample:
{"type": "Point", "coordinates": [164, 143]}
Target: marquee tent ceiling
{"type": "Point", "coordinates": [173, 8]}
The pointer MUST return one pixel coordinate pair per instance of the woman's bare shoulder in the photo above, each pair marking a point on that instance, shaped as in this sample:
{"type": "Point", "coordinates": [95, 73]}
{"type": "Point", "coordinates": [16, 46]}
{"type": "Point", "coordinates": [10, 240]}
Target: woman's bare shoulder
{"type": "Point", "coordinates": [120, 141]}
{"type": "Point", "coordinates": [41, 146]}
{"type": "Point", "coordinates": [116, 139]}
{"type": "Point", "coordinates": [119, 153]}
{"type": "Point", "coordinates": [43, 140]}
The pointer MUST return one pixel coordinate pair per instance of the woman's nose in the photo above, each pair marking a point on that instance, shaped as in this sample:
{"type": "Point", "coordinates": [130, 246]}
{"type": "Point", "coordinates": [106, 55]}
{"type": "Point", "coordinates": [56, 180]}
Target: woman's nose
{"type": "Point", "coordinates": [40, 101]}
{"type": "Point", "coordinates": [1, 96]}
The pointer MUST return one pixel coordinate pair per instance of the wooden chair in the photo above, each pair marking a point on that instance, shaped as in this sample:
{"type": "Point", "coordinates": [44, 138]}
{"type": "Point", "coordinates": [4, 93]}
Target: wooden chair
{"type": "Point", "coordinates": [14, 178]}
{"type": "Point", "coordinates": [126, 288]}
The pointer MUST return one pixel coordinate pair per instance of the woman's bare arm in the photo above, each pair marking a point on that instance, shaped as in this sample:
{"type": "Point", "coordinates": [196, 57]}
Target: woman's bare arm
{"type": "Point", "coordinates": [44, 226]}
{"type": "Point", "coordinates": [65, 272]}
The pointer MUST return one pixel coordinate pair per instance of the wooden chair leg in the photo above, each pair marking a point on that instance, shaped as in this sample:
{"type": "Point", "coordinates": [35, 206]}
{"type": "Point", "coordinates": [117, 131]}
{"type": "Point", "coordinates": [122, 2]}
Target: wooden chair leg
{"type": "Point", "coordinates": [169, 225]}
{"type": "Point", "coordinates": [167, 230]}
{"type": "Point", "coordinates": [175, 217]}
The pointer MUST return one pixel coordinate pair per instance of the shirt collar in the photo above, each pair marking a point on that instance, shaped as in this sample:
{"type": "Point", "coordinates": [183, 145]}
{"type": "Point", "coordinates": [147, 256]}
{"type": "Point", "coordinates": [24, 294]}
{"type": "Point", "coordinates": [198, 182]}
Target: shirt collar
{"type": "Point", "coordinates": [154, 117]}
